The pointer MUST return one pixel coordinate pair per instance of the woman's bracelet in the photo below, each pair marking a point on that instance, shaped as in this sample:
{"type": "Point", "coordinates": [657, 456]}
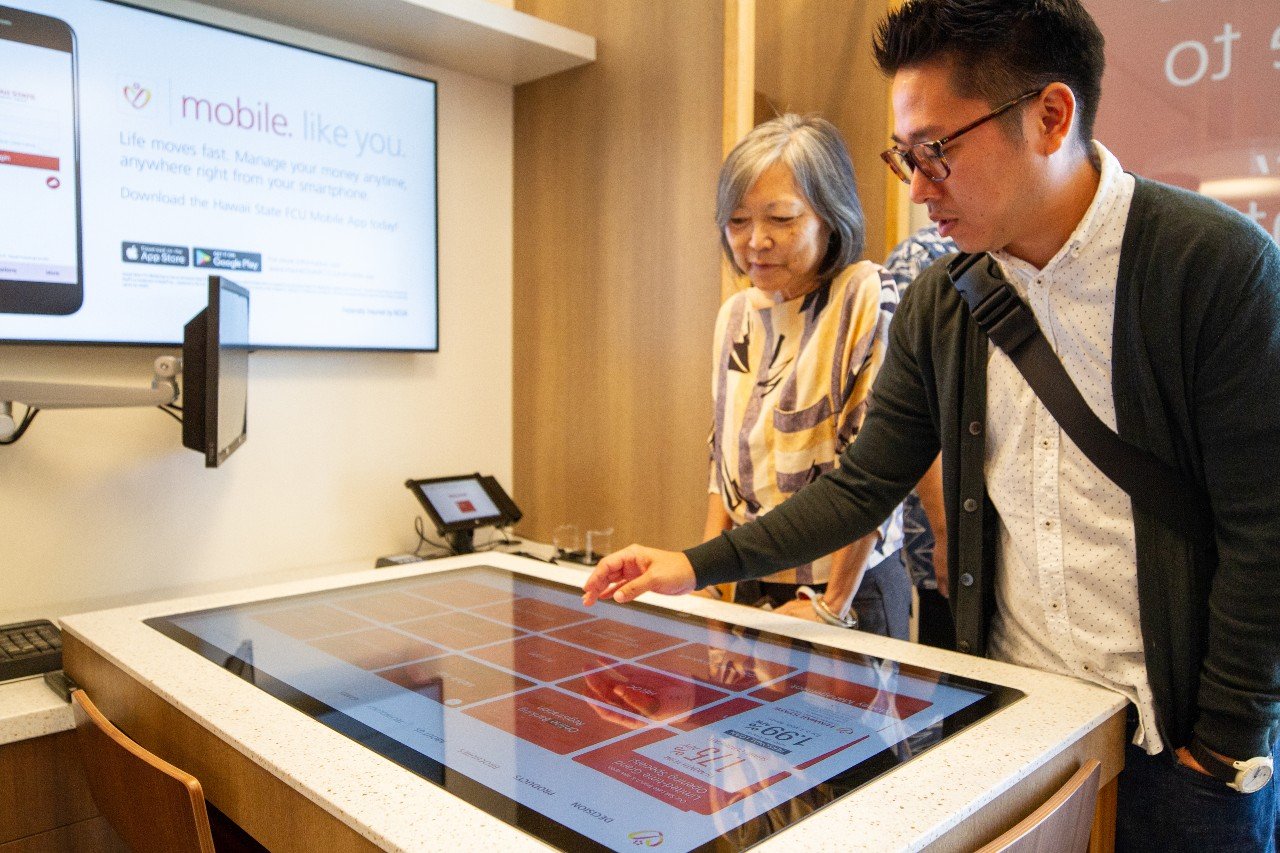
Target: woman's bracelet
{"type": "Point", "coordinates": [825, 613]}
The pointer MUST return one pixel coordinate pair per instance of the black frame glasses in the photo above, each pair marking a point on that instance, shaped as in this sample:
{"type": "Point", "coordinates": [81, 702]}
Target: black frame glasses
{"type": "Point", "coordinates": [929, 158]}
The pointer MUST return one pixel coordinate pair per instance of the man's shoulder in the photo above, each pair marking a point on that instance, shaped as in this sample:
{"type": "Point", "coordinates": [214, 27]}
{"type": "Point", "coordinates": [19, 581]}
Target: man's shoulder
{"type": "Point", "coordinates": [1180, 220]}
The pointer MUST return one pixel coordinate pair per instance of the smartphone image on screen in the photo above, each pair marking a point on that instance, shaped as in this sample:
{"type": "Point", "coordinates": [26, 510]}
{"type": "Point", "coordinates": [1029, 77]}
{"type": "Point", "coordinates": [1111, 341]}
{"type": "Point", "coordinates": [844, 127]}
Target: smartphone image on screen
{"type": "Point", "coordinates": [41, 264]}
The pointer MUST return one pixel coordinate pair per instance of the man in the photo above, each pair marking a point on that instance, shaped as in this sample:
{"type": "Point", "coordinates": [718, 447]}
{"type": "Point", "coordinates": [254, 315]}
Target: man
{"type": "Point", "coordinates": [1164, 308]}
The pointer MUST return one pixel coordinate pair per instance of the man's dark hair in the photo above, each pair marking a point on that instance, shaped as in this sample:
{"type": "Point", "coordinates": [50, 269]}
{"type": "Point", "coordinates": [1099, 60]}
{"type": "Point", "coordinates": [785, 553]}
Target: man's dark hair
{"type": "Point", "coordinates": [999, 49]}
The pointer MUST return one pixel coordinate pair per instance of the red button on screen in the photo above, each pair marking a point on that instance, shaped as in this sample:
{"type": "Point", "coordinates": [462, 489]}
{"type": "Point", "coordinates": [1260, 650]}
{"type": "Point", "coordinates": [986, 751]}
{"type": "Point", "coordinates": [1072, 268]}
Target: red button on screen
{"type": "Point", "coordinates": [34, 161]}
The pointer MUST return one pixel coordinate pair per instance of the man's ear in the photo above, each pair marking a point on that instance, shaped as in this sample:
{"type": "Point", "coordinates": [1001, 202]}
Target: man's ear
{"type": "Point", "coordinates": [1054, 116]}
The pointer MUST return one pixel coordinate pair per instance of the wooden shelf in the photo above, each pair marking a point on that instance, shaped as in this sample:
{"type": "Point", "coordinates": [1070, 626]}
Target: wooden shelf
{"type": "Point", "coordinates": [473, 36]}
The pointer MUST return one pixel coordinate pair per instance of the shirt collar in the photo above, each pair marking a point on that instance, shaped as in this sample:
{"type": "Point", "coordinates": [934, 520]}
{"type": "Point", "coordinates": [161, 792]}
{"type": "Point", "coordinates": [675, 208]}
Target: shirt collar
{"type": "Point", "coordinates": [1104, 205]}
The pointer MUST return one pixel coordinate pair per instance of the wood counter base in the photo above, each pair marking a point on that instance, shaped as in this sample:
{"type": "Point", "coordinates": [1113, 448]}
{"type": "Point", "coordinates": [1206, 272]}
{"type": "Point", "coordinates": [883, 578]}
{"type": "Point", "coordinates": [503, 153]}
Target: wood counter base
{"type": "Point", "coordinates": [1105, 743]}
{"type": "Point", "coordinates": [268, 809]}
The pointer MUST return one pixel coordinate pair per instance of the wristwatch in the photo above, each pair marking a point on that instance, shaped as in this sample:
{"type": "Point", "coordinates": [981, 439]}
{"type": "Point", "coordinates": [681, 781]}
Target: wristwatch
{"type": "Point", "coordinates": [1246, 776]}
{"type": "Point", "coordinates": [826, 614]}
{"type": "Point", "coordinates": [849, 619]}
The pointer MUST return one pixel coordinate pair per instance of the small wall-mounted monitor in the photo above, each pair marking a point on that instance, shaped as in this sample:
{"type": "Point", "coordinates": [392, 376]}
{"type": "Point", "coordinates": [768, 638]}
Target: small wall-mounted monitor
{"type": "Point", "coordinates": [215, 366]}
{"type": "Point", "coordinates": [458, 505]}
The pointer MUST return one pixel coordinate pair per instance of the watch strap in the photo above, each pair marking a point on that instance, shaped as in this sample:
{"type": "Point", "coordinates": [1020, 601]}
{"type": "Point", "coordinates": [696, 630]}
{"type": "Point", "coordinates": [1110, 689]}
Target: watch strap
{"type": "Point", "coordinates": [826, 614]}
{"type": "Point", "coordinates": [1215, 766]}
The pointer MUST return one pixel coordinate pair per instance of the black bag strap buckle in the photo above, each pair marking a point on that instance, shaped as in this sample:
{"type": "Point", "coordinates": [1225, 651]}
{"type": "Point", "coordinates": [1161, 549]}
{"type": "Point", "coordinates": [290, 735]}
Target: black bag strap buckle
{"type": "Point", "coordinates": [995, 306]}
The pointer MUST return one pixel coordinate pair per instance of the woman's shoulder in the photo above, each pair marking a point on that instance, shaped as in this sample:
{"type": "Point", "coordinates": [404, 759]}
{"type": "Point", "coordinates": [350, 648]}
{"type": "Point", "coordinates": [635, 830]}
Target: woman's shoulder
{"type": "Point", "coordinates": [733, 304]}
{"type": "Point", "coordinates": [865, 281]}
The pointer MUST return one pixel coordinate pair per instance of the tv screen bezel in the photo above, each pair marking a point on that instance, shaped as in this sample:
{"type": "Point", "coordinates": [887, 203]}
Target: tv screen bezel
{"type": "Point", "coordinates": [287, 36]}
{"type": "Point", "coordinates": [215, 452]}
{"type": "Point", "coordinates": [202, 367]}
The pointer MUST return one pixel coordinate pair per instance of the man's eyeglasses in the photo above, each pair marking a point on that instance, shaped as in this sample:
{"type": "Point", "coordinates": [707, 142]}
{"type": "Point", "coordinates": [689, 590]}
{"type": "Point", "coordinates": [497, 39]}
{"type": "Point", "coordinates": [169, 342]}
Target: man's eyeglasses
{"type": "Point", "coordinates": [928, 156]}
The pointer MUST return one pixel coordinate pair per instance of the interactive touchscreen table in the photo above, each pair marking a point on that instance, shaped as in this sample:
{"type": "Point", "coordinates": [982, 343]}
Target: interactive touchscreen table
{"type": "Point", "coordinates": [600, 728]}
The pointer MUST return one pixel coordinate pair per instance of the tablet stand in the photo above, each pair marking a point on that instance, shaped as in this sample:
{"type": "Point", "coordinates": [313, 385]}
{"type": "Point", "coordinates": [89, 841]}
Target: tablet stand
{"type": "Point", "coordinates": [460, 541]}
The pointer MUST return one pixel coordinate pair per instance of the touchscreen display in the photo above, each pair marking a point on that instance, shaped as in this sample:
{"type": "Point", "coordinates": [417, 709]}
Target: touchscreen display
{"type": "Point", "coordinates": [458, 501]}
{"type": "Point", "coordinates": [613, 727]}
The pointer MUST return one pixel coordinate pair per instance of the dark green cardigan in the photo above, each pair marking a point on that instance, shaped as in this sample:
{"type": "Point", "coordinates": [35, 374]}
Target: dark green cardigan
{"type": "Point", "coordinates": [1196, 380]}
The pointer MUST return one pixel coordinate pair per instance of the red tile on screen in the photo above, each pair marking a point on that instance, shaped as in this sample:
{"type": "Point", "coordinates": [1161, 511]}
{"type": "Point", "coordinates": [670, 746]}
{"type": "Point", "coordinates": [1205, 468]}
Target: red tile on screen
{"type": "Point", "coordinates": [376, 649]}
{"type": "Point", "coordinates": [893, 705]}
{"type": "Point", "coordinates": [455, 680]}
{"type": "Point", "coordinates": [460, 630]}
{"type": "Point", "coordinates": [616, 638]}
{"type": "Point", "coordinates": [543, 659]}
{"type": "Point", "coordinates": [714, 714]}
{"type": "Point", "coordinates": [532, 614]}
{"type": "Point", "coordinates": [461, 593]}
{"type": "Point", "coordinates": [391, 606]}
{"type": "Point", "coordinates": [723, 668]}
{"type": "Point", "coordinates": [640, 691]}
{"type": "Point", "coordinates": [552, 720]}
{"type": "Point", "coordinates": [622, 760]}
{"type": "Point", "coordinates": [310, 620]}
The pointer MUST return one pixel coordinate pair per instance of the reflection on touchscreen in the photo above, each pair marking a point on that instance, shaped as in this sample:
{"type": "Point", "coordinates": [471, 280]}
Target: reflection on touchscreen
{"type": "Point", "coordinates": [643, 693]}
{"type": "Point", "coordinates": [603, 727]}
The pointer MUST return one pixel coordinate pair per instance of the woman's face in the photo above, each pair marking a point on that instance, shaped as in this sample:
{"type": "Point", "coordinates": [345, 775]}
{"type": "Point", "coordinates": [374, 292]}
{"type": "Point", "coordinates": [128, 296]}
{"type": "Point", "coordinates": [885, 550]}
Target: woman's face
{"type": "Point", "coordinates": [776, 237]}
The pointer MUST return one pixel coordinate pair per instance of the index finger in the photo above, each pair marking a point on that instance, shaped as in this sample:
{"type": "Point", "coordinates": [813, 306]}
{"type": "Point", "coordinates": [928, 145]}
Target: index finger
{"type": "Point", "coordinates": [608, 573]}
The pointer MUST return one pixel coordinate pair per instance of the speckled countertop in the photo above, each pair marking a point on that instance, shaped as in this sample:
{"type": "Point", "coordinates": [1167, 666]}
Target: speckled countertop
{"type": "Point", "coordinates": [29, 709]}
{"type": "Point", "coordinates": [904, 809]}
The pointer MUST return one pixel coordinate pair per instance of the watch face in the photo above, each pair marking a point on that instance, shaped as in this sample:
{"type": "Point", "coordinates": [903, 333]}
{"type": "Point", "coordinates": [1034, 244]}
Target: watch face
{"type": "Point", "coordinates": [1255, 778]}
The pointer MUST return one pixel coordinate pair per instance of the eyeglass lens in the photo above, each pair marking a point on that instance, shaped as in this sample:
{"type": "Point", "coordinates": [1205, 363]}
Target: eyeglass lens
{"type": "Point", "coordinates": [923, 156]}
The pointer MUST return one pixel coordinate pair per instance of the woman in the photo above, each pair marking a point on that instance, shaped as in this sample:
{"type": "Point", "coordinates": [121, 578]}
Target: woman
{"type": "Point", "coordinates": [795, 357]}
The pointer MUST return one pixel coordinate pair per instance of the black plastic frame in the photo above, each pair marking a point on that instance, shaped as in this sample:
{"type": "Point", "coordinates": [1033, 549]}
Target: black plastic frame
{"type": "Point", "coordinates": [39, 297]}
{"type": "Point", "coordinates": [202, 367]}
{"type": "Point", "coordinates": [508, 513]}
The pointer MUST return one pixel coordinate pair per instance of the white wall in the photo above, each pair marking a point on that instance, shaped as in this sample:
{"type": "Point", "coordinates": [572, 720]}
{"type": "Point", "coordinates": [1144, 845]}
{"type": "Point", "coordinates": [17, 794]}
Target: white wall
{"type": "Point", "coordinates": [100, 507]}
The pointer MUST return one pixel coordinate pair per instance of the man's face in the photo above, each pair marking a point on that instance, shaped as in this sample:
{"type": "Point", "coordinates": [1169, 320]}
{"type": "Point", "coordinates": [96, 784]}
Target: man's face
{"type": "Point", "coordinates": [987, 202]}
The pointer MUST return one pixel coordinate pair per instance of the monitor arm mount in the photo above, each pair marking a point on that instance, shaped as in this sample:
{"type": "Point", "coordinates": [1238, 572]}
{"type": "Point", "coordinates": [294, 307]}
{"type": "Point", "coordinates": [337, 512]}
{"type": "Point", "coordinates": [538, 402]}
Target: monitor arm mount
{"type": "Point", "coordinates": [59, 395]}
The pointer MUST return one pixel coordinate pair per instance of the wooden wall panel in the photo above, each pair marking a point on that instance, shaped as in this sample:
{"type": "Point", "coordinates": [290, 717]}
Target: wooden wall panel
{"type": "Point", "coordinates": [617, 272]}
{"type": "Point", "coordinates": [814, 56]}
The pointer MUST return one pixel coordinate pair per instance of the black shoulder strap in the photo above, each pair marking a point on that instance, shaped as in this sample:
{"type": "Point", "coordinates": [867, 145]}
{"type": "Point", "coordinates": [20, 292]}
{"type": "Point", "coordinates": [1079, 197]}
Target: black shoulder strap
{"type": "Point", "coordinates": [1000, 312]}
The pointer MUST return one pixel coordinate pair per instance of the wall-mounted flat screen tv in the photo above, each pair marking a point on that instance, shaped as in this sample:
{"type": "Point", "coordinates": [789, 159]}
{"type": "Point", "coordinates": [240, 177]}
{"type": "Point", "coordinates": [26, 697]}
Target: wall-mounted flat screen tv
{"type": "Point", "coordinates": [141, 152]}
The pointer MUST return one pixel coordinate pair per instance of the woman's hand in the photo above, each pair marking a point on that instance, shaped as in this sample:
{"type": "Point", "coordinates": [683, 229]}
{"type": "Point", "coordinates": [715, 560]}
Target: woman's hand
{"type": "Point", "coordinates": [801, 608]}
{"type": "Point", "coordinates": [625, 574]}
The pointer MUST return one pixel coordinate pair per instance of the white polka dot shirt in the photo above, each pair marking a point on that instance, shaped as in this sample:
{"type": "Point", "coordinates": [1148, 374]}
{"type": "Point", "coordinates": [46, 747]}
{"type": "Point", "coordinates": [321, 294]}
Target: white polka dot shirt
{"type": "Point", "coordinates": [1067, 584]}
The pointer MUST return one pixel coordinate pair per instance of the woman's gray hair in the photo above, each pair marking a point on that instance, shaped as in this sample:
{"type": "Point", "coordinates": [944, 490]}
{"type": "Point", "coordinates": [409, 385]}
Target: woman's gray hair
{"type": "Point", "coordinates": [812, 148]}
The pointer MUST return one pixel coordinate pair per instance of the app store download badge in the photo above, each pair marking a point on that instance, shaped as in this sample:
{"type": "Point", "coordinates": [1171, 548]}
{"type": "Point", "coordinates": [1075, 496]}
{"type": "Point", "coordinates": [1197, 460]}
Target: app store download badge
{"type": "Point", "coordinates": [226, 259]}
{"type": "Point", "coordinates": [154, 253]}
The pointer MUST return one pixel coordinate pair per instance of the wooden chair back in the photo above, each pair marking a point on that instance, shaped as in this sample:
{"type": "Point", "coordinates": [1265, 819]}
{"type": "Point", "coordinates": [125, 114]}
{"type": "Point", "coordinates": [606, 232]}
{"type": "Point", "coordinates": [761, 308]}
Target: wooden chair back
{"type": "Point", "coordinates": [151, 804]}
{"type": "Point", "coordinates": [1062, 824]}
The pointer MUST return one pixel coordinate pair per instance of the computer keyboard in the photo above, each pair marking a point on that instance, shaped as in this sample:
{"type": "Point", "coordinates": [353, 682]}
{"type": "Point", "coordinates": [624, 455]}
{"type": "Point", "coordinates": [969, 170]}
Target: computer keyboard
{"type": "Point", "coordinates": [29, 648]}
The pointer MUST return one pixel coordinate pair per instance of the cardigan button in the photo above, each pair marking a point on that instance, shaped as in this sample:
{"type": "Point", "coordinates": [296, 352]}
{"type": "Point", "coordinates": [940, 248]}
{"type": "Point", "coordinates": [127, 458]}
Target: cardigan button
{"type": "Point", "coordinates": [963, 646]}
{"type": "Point", "coordinates": [970, 505]}
{"type": "Point", "coordinates": [966, 579]}
{"type": "Point", "coordinates": [975, 428]}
